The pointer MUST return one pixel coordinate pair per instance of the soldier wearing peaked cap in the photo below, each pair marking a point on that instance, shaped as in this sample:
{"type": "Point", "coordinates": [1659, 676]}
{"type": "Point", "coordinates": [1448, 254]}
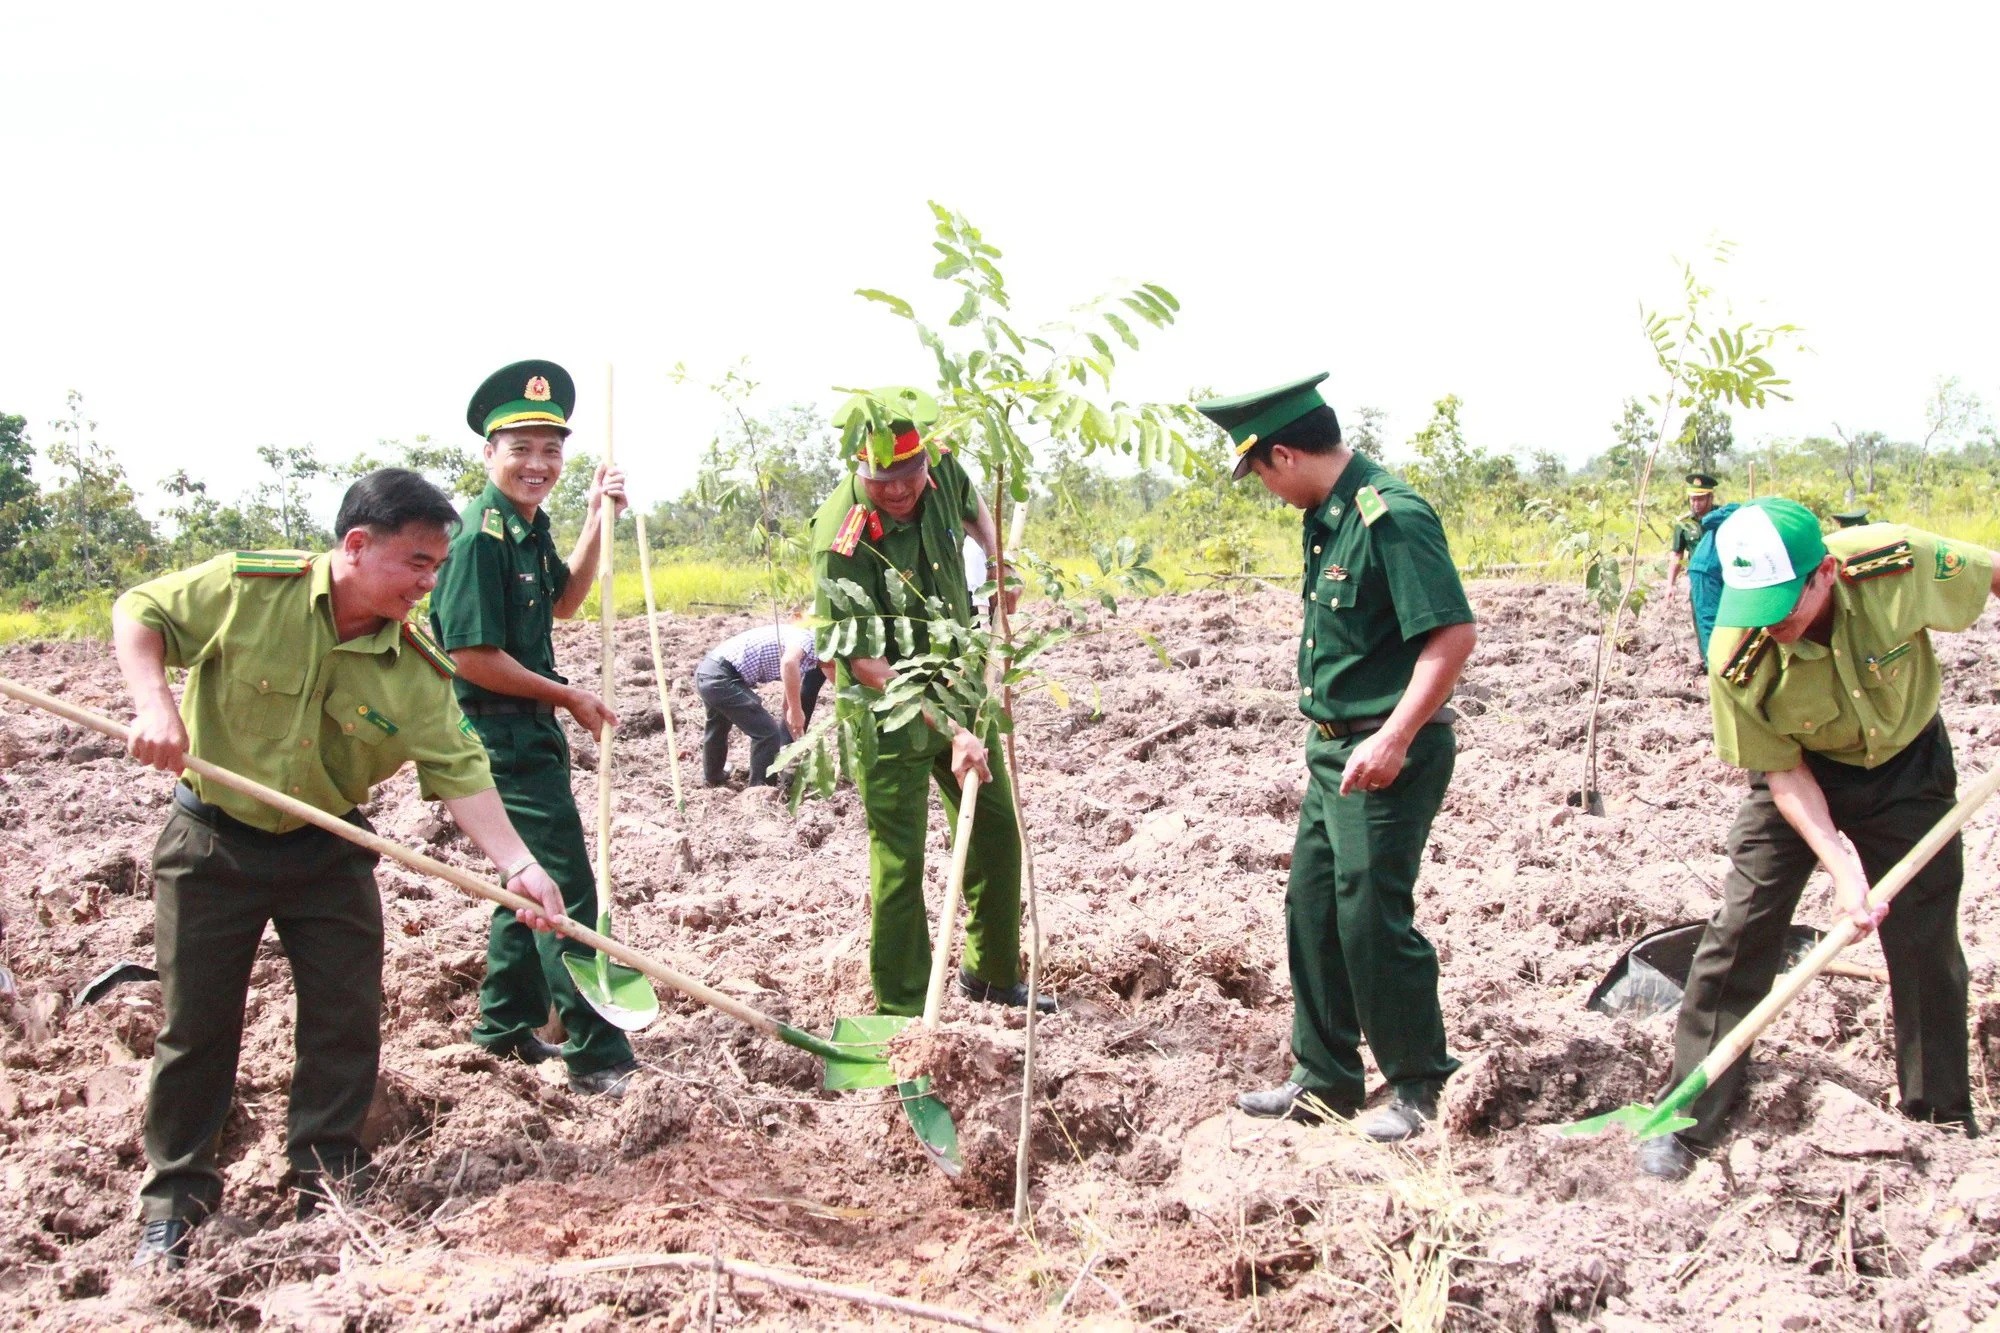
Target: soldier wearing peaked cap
{"type": "Point", "coordinates": [495, 610]}
{"type": "Point", "coordinates": [903, 516]}
{"type": "Point", "coordinates": [1694, 551]}
{"type": "Point", "coordinates": [1851, 518]}
{"type": "Point", "coordinates": [1824, 687]}
{"type": "Point", "coordinates": [303, 675]}
{"type": "Point", "coordinates": [1387, 631]}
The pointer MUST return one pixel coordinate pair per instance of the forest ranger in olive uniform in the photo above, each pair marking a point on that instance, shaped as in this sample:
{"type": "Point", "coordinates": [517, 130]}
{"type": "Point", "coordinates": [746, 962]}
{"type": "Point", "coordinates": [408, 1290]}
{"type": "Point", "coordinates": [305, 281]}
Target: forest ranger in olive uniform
{"type": "Point", "coordinates": [1387, 631]}
{"type": "Point", "coordinates": [1824, 685]}
{"type": "Point", "coordinates": [302, 675]}
{"type": "Point", "coordinates": [908, 520]}
{"type": "Point", "coordinates": [495, 610]}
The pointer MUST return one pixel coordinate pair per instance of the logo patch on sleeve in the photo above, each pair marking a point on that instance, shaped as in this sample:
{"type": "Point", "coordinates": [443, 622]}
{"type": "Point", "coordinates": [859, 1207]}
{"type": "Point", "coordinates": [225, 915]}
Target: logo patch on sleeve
{"type": "Point", "coordinates": [1950, 564]}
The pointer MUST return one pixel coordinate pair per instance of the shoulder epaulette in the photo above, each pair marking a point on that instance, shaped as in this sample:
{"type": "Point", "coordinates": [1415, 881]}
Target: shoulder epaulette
{"type": "Point", "coordinates": [272, 564]}
{"type": "Point", "coordinates": [1749, 655]}
{"type": "Point", "coordinates": [426, 647]}
{"type": "Point", "coordinates": [1371, 505]}
{"type": "Point", "coordinates": [1892, 559]}
{"type": "Point", "coordinates": [849, 537]}
{"type": "Point", "coordinates": [491, 524]}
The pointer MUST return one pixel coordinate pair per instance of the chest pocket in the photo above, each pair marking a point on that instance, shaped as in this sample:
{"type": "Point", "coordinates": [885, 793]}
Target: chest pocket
{"type": "Point", "coordinates": [358, 720]}
{"type": "Point", "coordinates": [264, 696]}
{"type": "Point", "coordinates": [1803, 714]}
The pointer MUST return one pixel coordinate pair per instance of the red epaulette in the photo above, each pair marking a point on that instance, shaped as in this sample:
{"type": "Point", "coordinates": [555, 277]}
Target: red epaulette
{"type": "Point", "coordinates": [849, 537]}
{"type": "Point", "coordinates": [426, 647]}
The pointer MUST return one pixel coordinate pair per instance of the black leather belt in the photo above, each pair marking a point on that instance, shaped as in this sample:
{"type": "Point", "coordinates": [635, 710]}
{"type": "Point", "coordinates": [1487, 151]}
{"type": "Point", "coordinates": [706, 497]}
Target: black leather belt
{"type": "Point", "coordinates": [1361, 726]}
{"type": "Point", "coordinates": [507, 708]}
{"type": "Point", "coordinates": [217, 818]}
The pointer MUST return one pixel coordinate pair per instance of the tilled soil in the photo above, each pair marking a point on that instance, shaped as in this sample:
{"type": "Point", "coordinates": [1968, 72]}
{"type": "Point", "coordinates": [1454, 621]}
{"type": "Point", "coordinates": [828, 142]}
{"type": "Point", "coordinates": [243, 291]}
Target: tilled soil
{"type": "Point", "coordinates": [1161, 861]}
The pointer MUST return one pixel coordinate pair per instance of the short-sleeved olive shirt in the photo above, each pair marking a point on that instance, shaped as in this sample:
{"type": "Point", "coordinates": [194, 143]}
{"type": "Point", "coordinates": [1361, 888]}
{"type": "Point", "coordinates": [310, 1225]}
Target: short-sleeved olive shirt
{"type": "Point", "coordinates": [1871, 690]}
{"type": "Point", "coordinates": [273, 693]}
{"type": "Point", "coordinates": [1687, 533]}
{"type": "Point", "coordinates": [1373, 591]}
{"type": "Point", "coordinates": [499, 588]}
{"type": "Point", "coordinates": [853, 540]}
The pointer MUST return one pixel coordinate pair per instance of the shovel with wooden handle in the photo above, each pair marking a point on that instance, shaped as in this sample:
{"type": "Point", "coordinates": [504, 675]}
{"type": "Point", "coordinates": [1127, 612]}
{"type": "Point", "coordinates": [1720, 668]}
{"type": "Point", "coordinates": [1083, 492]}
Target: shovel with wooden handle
{"type": "Point", "coordinates": [659, 662]}
{"type": "Point", "coordinates": [1648, 1122]}
{"type": "Point", "coordinates": [876, 1031]}
{"type": "Point", "coordinates": [846, 1067]}
{"type": "Point", "coordinates": [621, 995]}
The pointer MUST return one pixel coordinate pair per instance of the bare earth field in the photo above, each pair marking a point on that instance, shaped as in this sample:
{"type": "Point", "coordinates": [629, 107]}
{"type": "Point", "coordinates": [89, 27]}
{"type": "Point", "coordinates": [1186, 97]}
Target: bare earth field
{"type": "Point", "coordinates": [1162, 868]}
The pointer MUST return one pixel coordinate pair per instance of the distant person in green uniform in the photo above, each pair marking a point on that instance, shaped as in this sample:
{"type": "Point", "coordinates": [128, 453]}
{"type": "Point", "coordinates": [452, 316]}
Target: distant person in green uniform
{"type": "Point", "coordinates": [1387, 631]}
{"type": "Point", "coordinates": [907, 520]}
{"type": "Point", "coordinates": [1851, 518]}
{"type": "Point", "coordinates": [1824, 686]}
{"type": "Point", "coordinates": [1704, 571]}
{"type": "Point", "coordinates": [495, 610]}
{"type": "Point", "coordinates": [302, 675]}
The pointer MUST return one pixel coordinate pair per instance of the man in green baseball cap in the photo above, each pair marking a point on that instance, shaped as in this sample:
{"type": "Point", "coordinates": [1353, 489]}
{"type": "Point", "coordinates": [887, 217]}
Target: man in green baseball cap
{"type": "Point", "coordinates": [1387, 631]}
{"type": "Point", "coordinates": [494, 610]}
{"type": "Point", "coordinates": [1824, 685]}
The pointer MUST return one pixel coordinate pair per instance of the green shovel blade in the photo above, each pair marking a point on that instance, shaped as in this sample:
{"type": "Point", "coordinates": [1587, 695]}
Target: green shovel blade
{"type": "Point", "coordinates": [622, 996]}
{"type": "Point", "coordinates": [931, 1120]}
{"type": "Point", "coordinates": [855, 1058]}
{"type": "Point", "coordinates": [1649, 1122]}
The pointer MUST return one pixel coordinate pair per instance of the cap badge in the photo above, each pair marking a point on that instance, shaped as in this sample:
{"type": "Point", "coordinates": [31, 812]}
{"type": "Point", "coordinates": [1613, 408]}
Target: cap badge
{"type": "Point", "coordinates": [537, 390]}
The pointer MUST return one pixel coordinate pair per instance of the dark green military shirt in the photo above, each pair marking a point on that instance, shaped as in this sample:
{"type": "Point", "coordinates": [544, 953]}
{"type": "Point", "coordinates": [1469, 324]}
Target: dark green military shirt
{"type": "Point", "coordinates": [853, 540]}
{"type": "Point", "coordinates": [499, 588]}
{"type": "Point", "coordinates": [1687, 534]}
{"type": "Point", "coordinates": [1378, 579]}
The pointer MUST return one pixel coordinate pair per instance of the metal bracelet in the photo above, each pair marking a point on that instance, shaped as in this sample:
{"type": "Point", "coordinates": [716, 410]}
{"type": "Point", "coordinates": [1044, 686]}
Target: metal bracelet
{"type": "Point", "coordinates": [513, 872]}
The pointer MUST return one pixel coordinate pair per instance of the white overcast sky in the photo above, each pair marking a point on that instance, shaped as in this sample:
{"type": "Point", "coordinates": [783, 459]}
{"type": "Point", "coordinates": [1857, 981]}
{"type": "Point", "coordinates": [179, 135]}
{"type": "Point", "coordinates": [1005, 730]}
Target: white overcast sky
{"type": "Point", "coordinates": [289, 224]}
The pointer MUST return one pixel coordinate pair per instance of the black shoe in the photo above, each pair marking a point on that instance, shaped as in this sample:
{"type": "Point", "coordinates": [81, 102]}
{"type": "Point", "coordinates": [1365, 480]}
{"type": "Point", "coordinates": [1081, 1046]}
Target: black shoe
{"type": "Point", "coordinates": [1015, 996]}
{"type": "Point", "coordinates": [613, 1081]}
{"type": "Point", "coordinates": [164, 1243]}
{"type": "Point", "coordinates": [1666, 1157]}
{"type": "Point", "coordinates": [1289, 1101]}
{"type": "Point", "coordinates": [529, 1050]}
{"type": "Point", "coordinates": [1403, 1118]}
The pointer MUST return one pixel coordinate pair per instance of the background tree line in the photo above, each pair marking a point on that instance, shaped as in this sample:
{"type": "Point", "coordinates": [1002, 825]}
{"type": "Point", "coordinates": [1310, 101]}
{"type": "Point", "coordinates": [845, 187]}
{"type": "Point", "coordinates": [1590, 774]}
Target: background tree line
{"type": "Point", "coordinates": [72, 527]}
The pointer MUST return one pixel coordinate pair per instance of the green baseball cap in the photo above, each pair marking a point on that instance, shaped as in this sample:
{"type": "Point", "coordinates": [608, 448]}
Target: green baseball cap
{"type": "Point", "coordinates": [1768, 549]}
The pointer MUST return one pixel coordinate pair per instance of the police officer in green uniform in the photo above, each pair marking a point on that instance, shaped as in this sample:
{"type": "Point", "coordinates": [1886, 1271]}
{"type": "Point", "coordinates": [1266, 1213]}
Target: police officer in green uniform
{"type": "Point", "coordinates": [495, 610]}
{"type": "Point", "coordinates": [1824, 686]}
{"type": "Point", "coordinates": [907, 519]}
{"type": "Point", "coordinates": [1387, 631]}
{"type": "Point", "coordinates": [303, 675]}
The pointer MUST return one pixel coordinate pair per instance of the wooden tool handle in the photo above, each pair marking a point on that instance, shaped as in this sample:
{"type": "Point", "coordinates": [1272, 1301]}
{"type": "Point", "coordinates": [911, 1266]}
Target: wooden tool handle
{"type": "Point", "coordinates": [954, 890]}
{"type": "Point", "coordinates": [607, 683]}
{"type": "Point", "coordinates": [415, 860]}
{"type": "Point", "coordinates": [659, 660]}
{"type": "Point", "coordinates": [1843, 931]}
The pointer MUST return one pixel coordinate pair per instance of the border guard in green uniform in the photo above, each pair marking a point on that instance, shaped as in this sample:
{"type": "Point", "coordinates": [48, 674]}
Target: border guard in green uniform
{"type": "Point", "coordinates": [1824, 686]}
{"type": "Point", "coordinates": [303, 675]}
{"type": "Point", "coordinates": [1687, 528]}
{"type": "Point", "coordinates": [907, 519]}
{"type": "Point", "coordinates": [495, 610]}
{"type": "Point", "coordinates": [1387, 631]}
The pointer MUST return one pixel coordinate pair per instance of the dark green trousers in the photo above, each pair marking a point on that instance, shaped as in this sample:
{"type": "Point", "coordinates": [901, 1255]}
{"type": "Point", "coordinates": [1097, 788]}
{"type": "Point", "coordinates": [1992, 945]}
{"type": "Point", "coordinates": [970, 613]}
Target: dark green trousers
{"type": "Point", "coordinates": [895, 793]}
{"type": "Point", "coordinates": [1360, 967]}
{"type": "Point", "coordinates": [524, 969]}
{"type": "Point", "coordinates": [216, 884]}
{"type": "Point", "coordinates": [1884, 812]}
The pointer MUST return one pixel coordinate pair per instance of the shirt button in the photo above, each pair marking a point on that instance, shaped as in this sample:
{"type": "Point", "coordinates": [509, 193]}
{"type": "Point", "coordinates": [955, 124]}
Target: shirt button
{"type": "Point", "coordinates": [1871, 731]}
{"type": "Point", "coordinates": [1855, 693]}
{"type": "Point", "coordinates": [295, 791]}
{"type": "Point", "coordinates": [1309, 643]}
{"type": "Point", "coordinates": [1809, 727]}
{"type": "Point", "coordinates": [1836, 652]}
{"type": "Point", "coordinates": [263, 684]}
{"type": "Point", "coordinates": [306, 743]}
{"type": "Point", "coordinates": [934, 564]}
{"type": "Point", "coordinates": [349, 726]}
{"type": "Point", "coordinates": [1307, 690]}
{"type": "Point", "coordinates": [1315, 550]}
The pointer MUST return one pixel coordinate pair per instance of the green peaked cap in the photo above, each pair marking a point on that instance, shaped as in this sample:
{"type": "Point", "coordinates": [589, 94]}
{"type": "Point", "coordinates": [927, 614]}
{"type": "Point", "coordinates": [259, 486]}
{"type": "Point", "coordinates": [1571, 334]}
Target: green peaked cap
{"type": "Point", "coordinates": [527, 393]}
{"type": "Point", "coordinates": [1250, 417]}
